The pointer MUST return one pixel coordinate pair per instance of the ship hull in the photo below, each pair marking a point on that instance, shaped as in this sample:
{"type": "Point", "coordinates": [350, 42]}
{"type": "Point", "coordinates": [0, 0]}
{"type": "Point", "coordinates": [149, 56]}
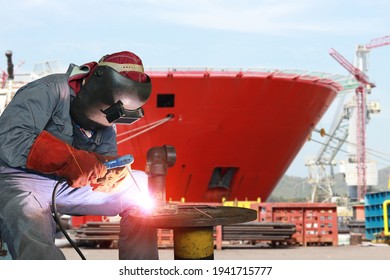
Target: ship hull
{"type": "Point", "coordinates": [235, 133]}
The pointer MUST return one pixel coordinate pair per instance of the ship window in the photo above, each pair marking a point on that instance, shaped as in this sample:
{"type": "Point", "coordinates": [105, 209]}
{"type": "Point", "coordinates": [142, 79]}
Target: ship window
{"type": "Point", "coordinates": [222, 177]}
{"type": "Point", "coordinates": [165, 100]}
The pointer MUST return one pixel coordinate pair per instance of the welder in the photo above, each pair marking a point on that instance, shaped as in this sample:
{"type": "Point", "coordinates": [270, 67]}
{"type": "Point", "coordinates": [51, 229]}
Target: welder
{"type": "Point", "coordinates": [61, 129]}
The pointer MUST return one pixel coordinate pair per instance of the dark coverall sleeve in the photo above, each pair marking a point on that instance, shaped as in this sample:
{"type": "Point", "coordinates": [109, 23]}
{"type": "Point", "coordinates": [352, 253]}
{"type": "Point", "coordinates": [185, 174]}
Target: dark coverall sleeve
{"type": "Point", "coordinates": [23, 120]}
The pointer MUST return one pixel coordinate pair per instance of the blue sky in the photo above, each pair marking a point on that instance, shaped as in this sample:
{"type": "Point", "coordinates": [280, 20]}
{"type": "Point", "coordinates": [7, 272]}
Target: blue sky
{"type": "Point", "coordinates": [294, 34]}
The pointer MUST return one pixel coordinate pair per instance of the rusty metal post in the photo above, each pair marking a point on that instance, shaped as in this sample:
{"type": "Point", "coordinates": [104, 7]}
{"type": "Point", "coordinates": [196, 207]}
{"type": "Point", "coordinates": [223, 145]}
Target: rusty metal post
{"type": "Point", "coordinates": [158, 159]}
{"type": "Point", "coordinates": [10, 65]}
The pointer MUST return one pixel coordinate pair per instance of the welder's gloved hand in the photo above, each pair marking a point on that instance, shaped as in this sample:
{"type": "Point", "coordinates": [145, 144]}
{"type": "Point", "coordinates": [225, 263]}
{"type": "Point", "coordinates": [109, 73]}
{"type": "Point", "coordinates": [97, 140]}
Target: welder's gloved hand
{"type": "Point", "coordinates": [111, 181]}
{"type": "Point", "coordinates": [50, 155]}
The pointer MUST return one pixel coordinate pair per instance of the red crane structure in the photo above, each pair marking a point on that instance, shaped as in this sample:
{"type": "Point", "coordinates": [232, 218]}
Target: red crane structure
{"type": "Point", "coordinates": [361, 91]}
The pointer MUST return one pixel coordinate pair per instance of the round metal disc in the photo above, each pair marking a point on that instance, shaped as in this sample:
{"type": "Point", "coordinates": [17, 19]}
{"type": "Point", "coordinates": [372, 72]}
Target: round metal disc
{"type": "Point", "coordinates": [198, 216]}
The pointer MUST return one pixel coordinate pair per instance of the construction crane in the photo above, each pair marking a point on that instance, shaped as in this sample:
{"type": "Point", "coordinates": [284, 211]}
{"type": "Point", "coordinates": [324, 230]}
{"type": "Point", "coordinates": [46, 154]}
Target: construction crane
{"type": "Point", "coordinates": [364, 87]}
{"type": "Point", "coordinates": [362, 110]}
{"type": "Point", "coordinates": [378, 42]}
{"type": "Point", "coordinates": [341, 129]}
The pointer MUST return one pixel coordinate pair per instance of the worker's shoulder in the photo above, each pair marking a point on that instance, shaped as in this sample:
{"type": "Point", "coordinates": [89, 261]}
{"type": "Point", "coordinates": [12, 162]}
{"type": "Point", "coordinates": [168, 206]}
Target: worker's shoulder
{"type": "Point", "coordinates": [53, 87]}
{"type": "Point", "coordinates": [54, 79]}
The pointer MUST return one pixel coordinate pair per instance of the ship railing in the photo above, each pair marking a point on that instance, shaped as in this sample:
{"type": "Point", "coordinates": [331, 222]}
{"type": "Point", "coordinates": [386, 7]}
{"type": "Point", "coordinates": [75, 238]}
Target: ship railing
{"type": "Point", "coordinates": [341, 82]}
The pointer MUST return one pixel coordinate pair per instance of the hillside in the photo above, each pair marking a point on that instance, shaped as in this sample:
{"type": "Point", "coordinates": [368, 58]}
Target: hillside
{"type": "Point", "coordinates": [296, 189]}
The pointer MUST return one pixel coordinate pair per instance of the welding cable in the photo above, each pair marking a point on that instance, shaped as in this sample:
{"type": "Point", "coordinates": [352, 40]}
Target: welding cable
{"type": "Point", "coordinates": [58, 221]}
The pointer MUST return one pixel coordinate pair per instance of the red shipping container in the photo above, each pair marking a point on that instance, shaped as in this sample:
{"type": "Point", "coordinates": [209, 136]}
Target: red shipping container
{"type": "Point", "coordinates": [316, 223]}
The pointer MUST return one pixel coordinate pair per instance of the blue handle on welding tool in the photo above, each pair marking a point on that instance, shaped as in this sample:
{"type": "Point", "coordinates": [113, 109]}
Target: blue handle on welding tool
{"type": "Point", "coordinates": [119, 162]}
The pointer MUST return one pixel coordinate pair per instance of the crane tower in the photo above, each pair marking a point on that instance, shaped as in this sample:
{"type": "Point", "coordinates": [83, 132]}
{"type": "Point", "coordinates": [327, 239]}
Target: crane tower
{"type": "Point", "coordinates": [360, 98]}
{"type": "Point", "coordinates": [351, 125]}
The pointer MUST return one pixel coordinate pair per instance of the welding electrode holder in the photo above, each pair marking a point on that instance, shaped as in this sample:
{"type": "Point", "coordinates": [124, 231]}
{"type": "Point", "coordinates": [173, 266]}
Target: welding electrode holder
{"type": "Point", "coordinates": [119, 162]}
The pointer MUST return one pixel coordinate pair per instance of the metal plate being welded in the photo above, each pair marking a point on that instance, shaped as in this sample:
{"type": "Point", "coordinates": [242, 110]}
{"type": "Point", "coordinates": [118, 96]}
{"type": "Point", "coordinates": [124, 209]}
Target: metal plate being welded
{"type": "Point", "coordinates": [198, 216]}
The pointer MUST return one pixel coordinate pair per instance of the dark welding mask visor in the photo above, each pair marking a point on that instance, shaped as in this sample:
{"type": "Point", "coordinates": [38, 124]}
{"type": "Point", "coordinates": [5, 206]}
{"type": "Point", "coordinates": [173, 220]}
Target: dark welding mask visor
{"type": "Point", "coordinates": [118, 114]}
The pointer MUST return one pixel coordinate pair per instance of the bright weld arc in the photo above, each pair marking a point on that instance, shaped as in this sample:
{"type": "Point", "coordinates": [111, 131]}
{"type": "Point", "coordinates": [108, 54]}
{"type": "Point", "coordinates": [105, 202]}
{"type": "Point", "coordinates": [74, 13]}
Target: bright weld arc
{"type": "Point", "coordinates": [146, 203]}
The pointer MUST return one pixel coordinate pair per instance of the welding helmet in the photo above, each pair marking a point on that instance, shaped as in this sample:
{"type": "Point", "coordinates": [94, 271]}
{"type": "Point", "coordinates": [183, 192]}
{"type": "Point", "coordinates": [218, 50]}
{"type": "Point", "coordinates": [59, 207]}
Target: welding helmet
{"type": "Point", "coordinates": [113, 92]}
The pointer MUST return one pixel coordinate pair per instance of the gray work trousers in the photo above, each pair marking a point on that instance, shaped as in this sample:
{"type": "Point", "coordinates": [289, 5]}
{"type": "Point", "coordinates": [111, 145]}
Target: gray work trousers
{"type": "Point", "coordinates": [28, 228]}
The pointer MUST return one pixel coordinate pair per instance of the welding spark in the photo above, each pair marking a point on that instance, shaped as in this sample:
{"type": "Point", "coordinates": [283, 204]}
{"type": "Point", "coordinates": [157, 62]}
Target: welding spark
{"type": "Point", "coordinates": [146, 204]}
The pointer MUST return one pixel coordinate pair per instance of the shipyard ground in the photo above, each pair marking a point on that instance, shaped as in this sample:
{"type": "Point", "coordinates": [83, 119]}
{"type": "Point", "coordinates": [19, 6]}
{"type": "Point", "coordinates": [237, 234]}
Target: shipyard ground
{"type": "Point", "coordinates": [347, 252]}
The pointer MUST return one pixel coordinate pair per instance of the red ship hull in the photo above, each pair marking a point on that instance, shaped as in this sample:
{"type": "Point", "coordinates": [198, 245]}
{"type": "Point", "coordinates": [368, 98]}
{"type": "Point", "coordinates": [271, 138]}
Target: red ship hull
{"type": "Point", "coordinates": [235, 133]}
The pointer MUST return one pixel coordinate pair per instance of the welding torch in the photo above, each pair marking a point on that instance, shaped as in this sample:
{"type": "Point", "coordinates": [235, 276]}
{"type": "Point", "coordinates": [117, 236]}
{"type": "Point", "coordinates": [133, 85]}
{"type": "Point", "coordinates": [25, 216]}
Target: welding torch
{"type": "Point", "coordinates": [119, 162]}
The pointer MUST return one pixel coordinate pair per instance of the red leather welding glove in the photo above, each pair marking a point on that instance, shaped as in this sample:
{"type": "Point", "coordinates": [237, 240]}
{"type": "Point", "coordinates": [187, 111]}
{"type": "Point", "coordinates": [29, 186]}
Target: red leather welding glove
{"type": "Point", "coordinates": [50, 155]}
{"type": "Point", "coordinates": [110, 182]}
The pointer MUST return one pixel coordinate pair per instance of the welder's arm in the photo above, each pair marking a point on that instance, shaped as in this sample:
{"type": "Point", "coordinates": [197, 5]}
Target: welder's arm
{"type": "Point", "coordinates": [50, 155]}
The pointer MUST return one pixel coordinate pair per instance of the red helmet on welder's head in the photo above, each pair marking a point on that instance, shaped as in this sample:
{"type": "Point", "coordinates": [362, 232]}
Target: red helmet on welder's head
{"type": "Point", "coordinates": [113, 93]}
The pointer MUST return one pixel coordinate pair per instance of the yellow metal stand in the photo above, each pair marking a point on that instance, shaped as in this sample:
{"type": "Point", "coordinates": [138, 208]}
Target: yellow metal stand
{"type": "Point", "coordinates": [193, 243]}
{"type": "Point", "coordinates": [193, 227]}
